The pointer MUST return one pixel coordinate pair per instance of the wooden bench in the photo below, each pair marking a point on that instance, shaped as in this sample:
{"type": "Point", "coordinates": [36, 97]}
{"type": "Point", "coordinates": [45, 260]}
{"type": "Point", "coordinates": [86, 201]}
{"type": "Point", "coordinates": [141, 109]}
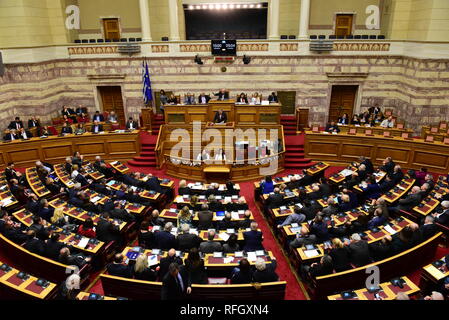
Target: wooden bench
{"type": "Point", "coordinates": [148, 290]}
{"type": "Point", "coordinates": [394, 266]}
{"type": "Point", "coordinates": [39, 265]}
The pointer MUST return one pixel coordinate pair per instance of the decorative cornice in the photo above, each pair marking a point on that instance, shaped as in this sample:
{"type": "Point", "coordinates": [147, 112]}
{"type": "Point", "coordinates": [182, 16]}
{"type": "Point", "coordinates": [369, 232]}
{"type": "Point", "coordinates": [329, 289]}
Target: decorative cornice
{"type": "Point", "coordinates": [288, 47]}
{"type": "Point", "coordinates": [347, 74]}
{"type": "Point", "coordinates": [159, 48]}
{"type": "Point", "coordinates": [361, 46]}
{"type": "Point", "coordinates": [106, 76]}
{"type": "Point", "coordinates": [92, 50]}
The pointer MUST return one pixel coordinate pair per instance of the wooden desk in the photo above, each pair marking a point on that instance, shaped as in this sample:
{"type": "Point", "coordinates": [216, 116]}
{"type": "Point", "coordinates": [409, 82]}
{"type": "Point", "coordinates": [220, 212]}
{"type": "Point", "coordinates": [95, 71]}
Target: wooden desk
{"type": "Point", "coordinates": [35, 183]}
{"type": "Point", "coordinates": [5, 193]}
{"type": "Point", "coordinates": [120, 146]}
{"type": "Point", "coordinates": [341, 148]}
{"type": "Point", "coordinates": [85, 296]}
{"type": "Point", "coordinates": [172, 215]}
{"type": "Point", "coordinates": [399, 190]}
{"type": "Point", "coordinates": [388, 291]}
{"type": "Point", "coordinates": [25, 288]}
{"type": "Point", "coordinates": [217, 173]}
{"type": "Point", "coordinates": [238, 113]}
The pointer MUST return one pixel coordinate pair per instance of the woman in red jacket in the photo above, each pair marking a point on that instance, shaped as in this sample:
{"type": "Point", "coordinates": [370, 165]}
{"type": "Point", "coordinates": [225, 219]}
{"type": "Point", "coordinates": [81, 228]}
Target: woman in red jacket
{"type": "Point", "coordinates": [87, 229]}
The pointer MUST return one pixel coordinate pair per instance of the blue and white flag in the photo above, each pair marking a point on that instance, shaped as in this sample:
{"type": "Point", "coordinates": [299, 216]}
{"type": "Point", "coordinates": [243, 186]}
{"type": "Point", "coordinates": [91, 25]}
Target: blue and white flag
{"type": "Point", "coordinates": [147, 95]}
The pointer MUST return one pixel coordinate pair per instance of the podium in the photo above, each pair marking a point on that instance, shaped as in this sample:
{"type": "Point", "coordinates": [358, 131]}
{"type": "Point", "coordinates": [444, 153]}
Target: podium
{"type": "Point", "coordinates": [302, 119]}
{"type": "Point", "coordinates": [147, 119]}
{"type": "Point", "coordinates": [226, 105]}
{"type": "Point", "coordinates": [217, 173]}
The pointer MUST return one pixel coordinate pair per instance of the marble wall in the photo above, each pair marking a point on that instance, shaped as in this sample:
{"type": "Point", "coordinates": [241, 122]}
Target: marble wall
{"type": "Point", "coordinates": [417, 89]}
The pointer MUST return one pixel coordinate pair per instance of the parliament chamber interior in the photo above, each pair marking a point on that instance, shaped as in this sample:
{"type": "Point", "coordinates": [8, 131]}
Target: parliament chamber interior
{"type": "Point", "coordinates": [202, 150]}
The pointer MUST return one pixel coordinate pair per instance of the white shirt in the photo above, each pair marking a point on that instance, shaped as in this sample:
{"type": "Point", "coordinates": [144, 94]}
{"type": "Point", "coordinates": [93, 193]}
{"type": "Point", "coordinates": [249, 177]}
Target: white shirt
{"type": "Point", "coordinates": [75, 173]}
{"type": "Point", "coordinates": [220, 157]}
{"type": "Point", "coordinates": [24, 135]}
{"type": "Point", "coordinates": [387, 124]}
{"type": "Point", "coordinates": [131, 125]}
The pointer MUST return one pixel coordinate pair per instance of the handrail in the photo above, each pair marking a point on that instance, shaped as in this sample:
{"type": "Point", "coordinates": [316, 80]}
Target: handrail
{"type": "Point", "coordinates": [226, 161]}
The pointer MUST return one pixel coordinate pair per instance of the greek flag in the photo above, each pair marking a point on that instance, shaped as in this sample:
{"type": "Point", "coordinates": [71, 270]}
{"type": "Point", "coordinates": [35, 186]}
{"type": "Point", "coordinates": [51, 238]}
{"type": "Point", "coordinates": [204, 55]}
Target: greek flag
{"type": "Point", "coordinates": [147, 95]}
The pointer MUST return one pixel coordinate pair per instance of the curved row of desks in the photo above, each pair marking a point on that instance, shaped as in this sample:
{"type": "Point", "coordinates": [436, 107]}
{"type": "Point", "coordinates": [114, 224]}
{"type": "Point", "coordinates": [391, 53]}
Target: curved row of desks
{"type": "Point", "coordinates": [339, 149]}
{"type": "Point", "coordinates": [121, 146]}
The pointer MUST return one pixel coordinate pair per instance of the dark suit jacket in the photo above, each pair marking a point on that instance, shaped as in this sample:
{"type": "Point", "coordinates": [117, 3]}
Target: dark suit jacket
{"type": "Point", "coordinates": [67, 129]}
{"type": "Point", "coordinates": [359, 252]}
{"type": "Point", "coordinates": [154, 184]}
{"type": "Point", "coordinates": [165, 240]}
{"type": "Point", "coordinates": [272, 98]}
{"type": "Point", "coordinates": [443, 219]}
{"type": "Point", "coordinates": [205, 220]}
{"type": "Point", "coordinates": [35, 245]}
{"type": "Point", "coordinates": [9, 136]}
{"type": "Point", "coordinates": [222, 95]}
{"type": "Point", "coordinates": [253, 240]}
{"type": "Point", "coordinates": [100, 128]}
{"type": "Point", "coordinates": [428, 230]}
{"type": "Point", "coordinates": [165, 262]}
{"type": "Point", "coordinates": [99, 116]}
{"type": "Point", "coordinates": [171, 290]}
{"type": "Point", "coordinates": [120, 270]}
{"type": "Point", "coordinates": [52, 249]}
{"type": "Point", "coordinates": [13, 125]}
{"type": "Point", "coordinates": [106, 231]}
{"type": "Point", "coordinates": [409, 202]}
{"type": "Point", "coordinates": [220, 117]}
{"type": "Point", "coordinates": [33, 123]}
{"type": "Point", "coordinates": [206, 96]}
{"type": "Point", "coordinates": [210, 247]}
{"type": "Point", "coordinates": [340, 258]}
{"type": "Point", "coordinates": [128, 124]}
{"type": "Point", "coordinates": [275, 200]}
{"type": "Point", "coordinates": [187, 241]}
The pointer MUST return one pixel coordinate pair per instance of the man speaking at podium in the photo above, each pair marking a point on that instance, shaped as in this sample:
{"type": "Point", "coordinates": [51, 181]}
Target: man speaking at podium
{"type": "Point", "coordinates": [222, 95]}
{"type": "Point", "coordinates": [220, 117]}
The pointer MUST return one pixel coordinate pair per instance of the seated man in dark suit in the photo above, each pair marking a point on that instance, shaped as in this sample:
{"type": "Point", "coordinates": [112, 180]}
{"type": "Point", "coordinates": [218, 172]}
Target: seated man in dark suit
{"type": "Point", "coordinates": [10, 135]}
{"type": "Point", "coordinates": [118, 268]}
{"type": "Point", "coordinates": [72, 259]}
{"type": "Point", "coordinates": [428, 229]}
{"type": "Point", "coordinates": [359, 251]}
{"type": "Point", "coordinates": [98, 117]}
{"type": "Point", "coordinates": [96, 127]}
{"type": "Point", "coordinates": [108, 231]}
{"type": "Point", "coordinates": [45, 211]}
{"type": "Point", "coordinates": [387, 184]}
{"type": "Point", "coordinates": [164, 239]}
{"type": "Point", "coordinates": [205, 217]}
{"type": "Point", "coordinates": [203, 98]}
{"type": "Point", "coordinates": [243, 274]}
{"type": "Point", "coordinates": [119, 212]}
{"type": "Point", "coordinates": [265, 272]}
{"type": "Point", "coordinates": [176, 283]}
{"type": "Point", "coordinates": [53, 246]}
{"type": "Point", "coordinates": [388, 165]}
{"type": "Point", "coordinates": [220, 117]}
{"type": "Point", "coordinates": [33, 123]}
{"type": "Point", "coordinates": [253, 238]}
{"type": "Point", "coordinates": [368, 164]}
{"type": "Point", "coordinates": [17, 124]}
{"type": "Point", "coordinates": [66, 129]}
{"type": "Point", "coordinates": [131, 124]}
{"type": "Point", "coordinates": [275, 200]}
{"type": "Point", "coordinates": [33, 204]}
{"type": "Point", "coordinates": [153, 184]}
{"type": "Point", "coordinates": [166, 261]}
{"type": "Point", "coordinates": [443, 217]}
{"type": "Point", "coordinates": [273, 97]}
{"type": "Point", "coordinates": [34, 244]}
{"type": "Point", "coordinates": [210, 245]}
{"type": "Point", "coordinates": [410, 201]}
{"type": "Point", "coordinates": [187, 240]}
{"type": "Point", "coordinates": [332, 127]}
{"type": "Point", "coordinates": [222, 94]}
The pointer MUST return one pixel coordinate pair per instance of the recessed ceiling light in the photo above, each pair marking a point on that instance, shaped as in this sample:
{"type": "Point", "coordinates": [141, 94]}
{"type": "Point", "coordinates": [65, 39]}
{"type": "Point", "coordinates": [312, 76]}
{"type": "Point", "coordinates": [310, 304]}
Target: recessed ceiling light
{"type": "Point", "coordinates": [238, 6]}
{"type": "Point", "coordinates": [251, 6]}
{"type": "Point", "coordinates": [198, 7]}
{"type": "Point", "coordinates": [191, 8]}
{"type": "Point", "coordinates": [245, 6]}
{"type": "Point", "coordinates": [225, 6]}
{"type": "Point", "coordinates": [218, 6]}
{"type": "Point", "coordinates": [211, 6]}
{"type": "Point", "coordinates": [204, 6]}
{"type": "Point", "coordinates": [231, 6]}
{"type": "Point", "coordinates": [259, 6]}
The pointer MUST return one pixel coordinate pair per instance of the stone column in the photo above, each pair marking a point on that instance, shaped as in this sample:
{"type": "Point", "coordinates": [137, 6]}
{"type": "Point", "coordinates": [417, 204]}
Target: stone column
{"type": "Point", "coordinates": [304, 20]}
{"type": "Point", "coordinates": [145, 20]}
{"type": "Point", "coordinates": [174, 21]}
{"type": "Point", "coordinates": [274, 20]}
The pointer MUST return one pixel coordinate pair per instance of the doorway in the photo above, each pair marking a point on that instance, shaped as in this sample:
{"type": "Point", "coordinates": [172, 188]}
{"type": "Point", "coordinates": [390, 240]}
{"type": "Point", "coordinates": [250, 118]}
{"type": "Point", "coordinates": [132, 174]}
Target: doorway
{"type": "Point", "coordinates": [343, 24]}
{"type": "Point", "coordinates": [342, 101]}
{"type": "Point", "coordinates": [288, 101]}
{"type": "Point", "coordinates": [111, 29]}
{"type": "Point", "coordinates": [112, 100]}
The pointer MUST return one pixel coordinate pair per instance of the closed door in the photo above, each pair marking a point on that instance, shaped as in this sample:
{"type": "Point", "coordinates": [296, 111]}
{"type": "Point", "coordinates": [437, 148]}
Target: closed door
{"type": "Point", "coordinates": [288, 101]}
{"type": "Point", "coordinates": [343, 24]}
{"type": "Point", "coordinates": [342, 101]}
{"type": "Point", "coordinates": [111, 29]}
{"type": "Point", "coordinates": [112, 100]}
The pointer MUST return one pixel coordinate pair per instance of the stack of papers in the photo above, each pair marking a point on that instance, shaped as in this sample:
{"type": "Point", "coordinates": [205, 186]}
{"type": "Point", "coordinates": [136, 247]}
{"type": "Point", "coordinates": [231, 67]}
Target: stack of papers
{"type": "Point", "coordinates": [83, 242]}
{"type": "Point", "coordinates": [346, 172]}
{"type": "Point", "coordinates": [311, 253]}
{"type": "Point", "coordinates": [152, 260]}
{"type": "Point", "coordinates": [235, 215]}
{"type": "Point", "coordinates": [389, 229]}
{"type": "Point", "coordinates": [95, 199]}
{"type": "Point", "coordinates": [224, 236]}
{"type": "Point", "coordinates": [6, 202]}
{"type": "Point", "coordinates": [228, 260]}
{"type": "Point", "coordinates": [252, 256]}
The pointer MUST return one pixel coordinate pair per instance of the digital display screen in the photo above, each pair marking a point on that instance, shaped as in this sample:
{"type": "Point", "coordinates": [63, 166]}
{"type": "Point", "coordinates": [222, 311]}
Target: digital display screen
{"type": "Point", "coordinates": [224, 47]}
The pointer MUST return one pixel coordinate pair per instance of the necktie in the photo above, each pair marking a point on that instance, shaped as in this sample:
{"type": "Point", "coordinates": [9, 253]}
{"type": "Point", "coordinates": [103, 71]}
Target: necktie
{"type": "Point", "coordinates": [181, 285]}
